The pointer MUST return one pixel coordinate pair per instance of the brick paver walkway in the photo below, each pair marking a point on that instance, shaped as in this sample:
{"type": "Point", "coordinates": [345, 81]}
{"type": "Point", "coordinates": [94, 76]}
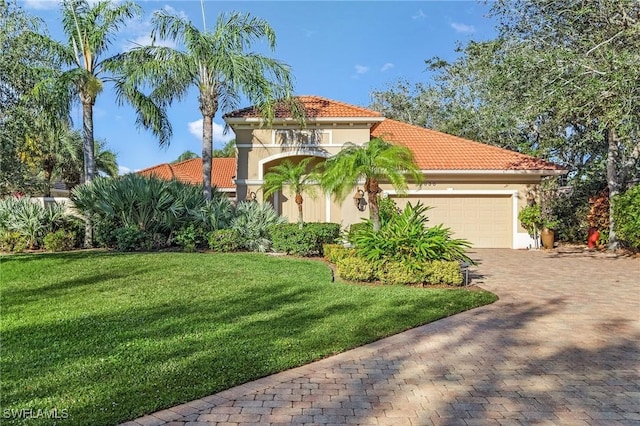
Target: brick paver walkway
{"type": "Point", "coordinates": [561, 346]}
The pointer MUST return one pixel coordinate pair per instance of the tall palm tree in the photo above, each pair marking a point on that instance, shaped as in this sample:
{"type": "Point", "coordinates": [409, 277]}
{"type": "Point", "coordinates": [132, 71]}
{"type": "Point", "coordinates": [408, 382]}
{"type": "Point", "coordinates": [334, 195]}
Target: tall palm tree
{"type": "Point", "coordinates": [216, 63]}
{"type": "Point", "coordinates": [298, 177]}
{"type": "Point", "coordinates": [90, 28]}
{"type": "Point", "coordinates": [371, 162]}
{"type": "Point", "coordinates": [106, 163]}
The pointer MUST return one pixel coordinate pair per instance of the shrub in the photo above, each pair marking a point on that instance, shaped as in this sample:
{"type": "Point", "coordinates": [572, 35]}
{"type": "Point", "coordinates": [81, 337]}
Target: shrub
{"type": "Point", "coordinates": [443, 272]}
{"type": "Point", "coordinates": [129, 238]}
{"type": "Point", "coordinates": [337, 252]}
{"type": "Point", "coordinates": [626, 211]}
{"type": "Point", "coordinates": [400, 273]}
{"type": "Point", "coordinates": [224, 240]}
{"type": "Point", "coordinates": [30, 219]}
{"type": "Point", "coordinates": [12, 241]}
{"type": "Point", "coordinates": [356, 228]}
{"type": "Point", "coordinates": [60, 240]}
{"type": "Point", "coordinates": [151, 205]}
{"type": "Point", "coordinates": [406, 238]}
{"type": "Point", "coordinates": [252, 221]}
{"type": "Point", "coordinates": [356, 268]}
{"type": "Point", "coordinates": [308, 241]}
{"type": "Point", "coordinates": [190, 238]}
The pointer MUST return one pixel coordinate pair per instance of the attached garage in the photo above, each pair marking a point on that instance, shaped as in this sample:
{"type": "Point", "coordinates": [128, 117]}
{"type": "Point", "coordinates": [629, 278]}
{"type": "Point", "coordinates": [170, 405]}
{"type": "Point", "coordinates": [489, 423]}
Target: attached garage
{"type": "Point", "coordinates": [486, 220]}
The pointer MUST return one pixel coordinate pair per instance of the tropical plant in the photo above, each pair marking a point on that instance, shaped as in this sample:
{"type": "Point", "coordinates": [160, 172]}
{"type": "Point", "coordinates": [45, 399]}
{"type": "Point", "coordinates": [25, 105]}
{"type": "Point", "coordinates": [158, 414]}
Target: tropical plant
{"type": "Point", "coordinates": [152, 205]}
{"type": "Point", "coordinates": [186, 155]}
{"type": "Point", "coordinates": [298, 177]}
{"type": "Point", "coordinates": [216, 63]}
{"type": "Point", "coordinates": [375, 161]}
{"type": "Point", "coordinates": [214, 214]}
{"type": "Point", "coordinates": [252, 222]}
{"type": "Point", "coordinates": [30, 219]}
{"type": "Point", "coordinates": [407, 238]}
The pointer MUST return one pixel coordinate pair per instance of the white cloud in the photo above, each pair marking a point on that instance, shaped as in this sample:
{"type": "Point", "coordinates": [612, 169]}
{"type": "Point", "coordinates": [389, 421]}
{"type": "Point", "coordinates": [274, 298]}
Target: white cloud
{"type": "Point", "coordinates": [219, 138]}
{"type": "Point", "coordinates": [387, 67]}
{"type": "Point", "coordinates": [145, 40]}
{"type": "Point", "coordinates": [361, 69]}
{"type": "Point", "coordinates": [41, 4]}
{"type": "Point", "coordinates": [463, 28]}
{"type": "Point", "coordinates": [419, 15]}
{"type": "Point", "coordinates": [173, 11]}
{"type": "Point", "coordinates": [123, 170]}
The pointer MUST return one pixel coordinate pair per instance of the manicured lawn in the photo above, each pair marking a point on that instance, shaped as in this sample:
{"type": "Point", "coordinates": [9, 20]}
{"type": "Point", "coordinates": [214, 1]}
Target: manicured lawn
{"type": "Point", "coordinates": [109, 337]}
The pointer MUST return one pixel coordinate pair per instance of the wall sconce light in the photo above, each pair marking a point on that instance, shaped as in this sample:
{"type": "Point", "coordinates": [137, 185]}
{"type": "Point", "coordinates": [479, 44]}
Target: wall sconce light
{"type": "Point", "coordinates": [359, 201]}
{"type": "Point", "coordinates": [251, 196]}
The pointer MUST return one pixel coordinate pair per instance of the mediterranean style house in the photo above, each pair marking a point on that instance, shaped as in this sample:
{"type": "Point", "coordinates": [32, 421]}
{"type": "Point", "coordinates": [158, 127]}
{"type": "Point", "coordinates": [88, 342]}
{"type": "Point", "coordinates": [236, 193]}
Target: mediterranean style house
{"type": "Point", "coordinates": [475, 189]}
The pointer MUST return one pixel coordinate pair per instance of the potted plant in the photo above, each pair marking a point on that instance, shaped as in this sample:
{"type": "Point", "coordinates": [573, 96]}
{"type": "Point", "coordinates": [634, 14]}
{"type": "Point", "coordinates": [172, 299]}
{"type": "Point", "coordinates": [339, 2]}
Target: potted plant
{"type": "Point", "coordinates": [531, 219]}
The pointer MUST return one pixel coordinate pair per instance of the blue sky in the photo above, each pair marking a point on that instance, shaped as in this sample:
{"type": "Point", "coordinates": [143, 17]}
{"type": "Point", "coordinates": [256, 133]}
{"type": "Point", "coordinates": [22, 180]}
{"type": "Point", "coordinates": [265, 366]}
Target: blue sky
{"type": "Point", "coordinates": [339, 50]}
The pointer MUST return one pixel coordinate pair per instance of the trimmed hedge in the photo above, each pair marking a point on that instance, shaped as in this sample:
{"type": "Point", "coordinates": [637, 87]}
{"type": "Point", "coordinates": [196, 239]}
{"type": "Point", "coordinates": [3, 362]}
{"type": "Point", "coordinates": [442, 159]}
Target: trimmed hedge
{"type": "Point", "coordinates": [60, 240]}
{"type": "Point", "coordinates": [352, 267]}
{"type": "Point", "coordinates": [308, 241]}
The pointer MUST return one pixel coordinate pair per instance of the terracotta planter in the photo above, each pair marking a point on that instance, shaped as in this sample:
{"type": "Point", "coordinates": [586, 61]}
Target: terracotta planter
{"type": "Point", "coordinates": [548, 237]}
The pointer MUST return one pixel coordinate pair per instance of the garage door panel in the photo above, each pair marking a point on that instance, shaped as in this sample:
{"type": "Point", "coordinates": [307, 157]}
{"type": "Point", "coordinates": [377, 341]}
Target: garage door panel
{"type": "Point", "coordinates": [486, 221]}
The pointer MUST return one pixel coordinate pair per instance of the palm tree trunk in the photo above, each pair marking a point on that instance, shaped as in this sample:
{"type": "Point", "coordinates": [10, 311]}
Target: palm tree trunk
{"type": "Point", "coordinates": [87, 142]}
{"type": "Point", "coordinates": [207, 148]}
{"type": "Point", "coordinates": [372, 189]}
{"type": "Point", "coordinates": [89, 161]}
{"type": "Point", "coordinates": [299, 203]}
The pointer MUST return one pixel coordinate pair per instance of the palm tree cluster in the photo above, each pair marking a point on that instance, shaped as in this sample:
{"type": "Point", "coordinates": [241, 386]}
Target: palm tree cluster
{"type": "Point", "coordinates": [370, 163]}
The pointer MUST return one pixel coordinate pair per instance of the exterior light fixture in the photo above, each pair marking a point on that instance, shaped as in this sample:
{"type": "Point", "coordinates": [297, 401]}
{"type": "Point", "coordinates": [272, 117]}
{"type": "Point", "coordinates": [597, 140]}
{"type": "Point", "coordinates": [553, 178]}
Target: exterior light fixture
{"type": "Point", "coordinates": [359, 201]}
{"type": "Point", "coordinates": [251, 196]}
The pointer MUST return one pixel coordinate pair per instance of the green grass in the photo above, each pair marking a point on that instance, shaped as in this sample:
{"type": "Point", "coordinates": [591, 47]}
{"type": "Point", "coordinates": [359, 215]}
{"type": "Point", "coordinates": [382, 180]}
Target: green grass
{"type": "Point", "coordinates": [109, 337]}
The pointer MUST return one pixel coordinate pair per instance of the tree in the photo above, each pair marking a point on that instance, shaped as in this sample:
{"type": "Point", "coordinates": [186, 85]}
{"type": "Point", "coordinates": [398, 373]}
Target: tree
{"type": "Point", "coordinates": [299, 177]}
{"type": "Point", "coordinates": [90, 27]}
{"type": "Point", "coordinates": [560, 81]}
{"type": "Point", "coordinates": [578, 61]}
{"type": "Point", "coordinates": [22, 65]}
{"type": "Point", "coordinates": [375, 161]}
{"type": "Point", "coordinates": [187, 155]}
{"type": "Point", "coordinates": [227, 151]}
{"type": "Point", "coordinates": [106, 163]}
{"type": "Point", "coordinates": [217, 64]}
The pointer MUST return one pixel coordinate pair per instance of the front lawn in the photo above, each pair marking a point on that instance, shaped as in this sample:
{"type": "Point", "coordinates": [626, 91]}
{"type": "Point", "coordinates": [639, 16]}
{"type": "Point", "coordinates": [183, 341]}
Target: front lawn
{"type": "Point", "coordinates": [108, 337]}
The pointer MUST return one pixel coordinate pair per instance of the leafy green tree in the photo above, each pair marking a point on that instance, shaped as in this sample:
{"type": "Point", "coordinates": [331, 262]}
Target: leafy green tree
{"type": "Point", "coordinates": [375, 161]}
{"type": "Point", "coordinates": [187, 155]}
{"type": "Point", "coordinates": [215, 62]}
{"type": "Point", "coordinates": [22, 65]}
{"type": "Point", "coordinates": [298, 177]}
{"type": "Point", "coordinates": [578, 61]}
{"type": "Point", "coordinates": [560, 81]}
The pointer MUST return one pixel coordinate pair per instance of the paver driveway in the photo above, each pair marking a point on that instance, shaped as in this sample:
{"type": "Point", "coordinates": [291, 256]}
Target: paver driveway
{"type": "Point", "coordinates": [561, 346]}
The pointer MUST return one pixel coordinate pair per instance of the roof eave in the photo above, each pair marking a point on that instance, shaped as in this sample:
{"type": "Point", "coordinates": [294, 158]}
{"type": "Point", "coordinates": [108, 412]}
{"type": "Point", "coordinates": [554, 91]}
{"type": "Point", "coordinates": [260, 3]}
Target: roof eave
{"type": "Point", "coordinates": [539, 172]}
{"type": "Point", "coordinates": [262, 121]}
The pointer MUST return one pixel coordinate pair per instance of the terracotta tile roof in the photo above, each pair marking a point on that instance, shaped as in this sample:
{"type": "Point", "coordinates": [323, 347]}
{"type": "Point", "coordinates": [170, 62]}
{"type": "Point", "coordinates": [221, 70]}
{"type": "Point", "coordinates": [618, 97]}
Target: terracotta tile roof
{"type": "Point", "coordinates": [440, 151]}
{"type": "Point", "coordinates": [190, 171]}
{"type": "Point", "coordinates": [315, 107]}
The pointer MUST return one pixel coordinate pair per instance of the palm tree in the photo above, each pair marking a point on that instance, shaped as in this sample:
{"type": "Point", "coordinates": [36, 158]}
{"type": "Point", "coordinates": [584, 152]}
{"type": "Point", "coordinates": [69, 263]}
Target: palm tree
{"type": "Point", "coordinates": [90, 27]}
{"type": "Point", "coordinates": [297, 176]}
{"type": "Point", "coordinates": [216, 63]}
{"type": "Point", "coordinates": [187, 155]}
{"type": "Point", "coordinates": [106, 163]}
{"type": "Point", "coordinates": [372, 162]}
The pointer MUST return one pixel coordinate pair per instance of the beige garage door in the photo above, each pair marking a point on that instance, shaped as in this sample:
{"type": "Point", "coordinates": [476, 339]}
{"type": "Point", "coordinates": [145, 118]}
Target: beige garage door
{"type": "Point", "coordinates": [486, 221]}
